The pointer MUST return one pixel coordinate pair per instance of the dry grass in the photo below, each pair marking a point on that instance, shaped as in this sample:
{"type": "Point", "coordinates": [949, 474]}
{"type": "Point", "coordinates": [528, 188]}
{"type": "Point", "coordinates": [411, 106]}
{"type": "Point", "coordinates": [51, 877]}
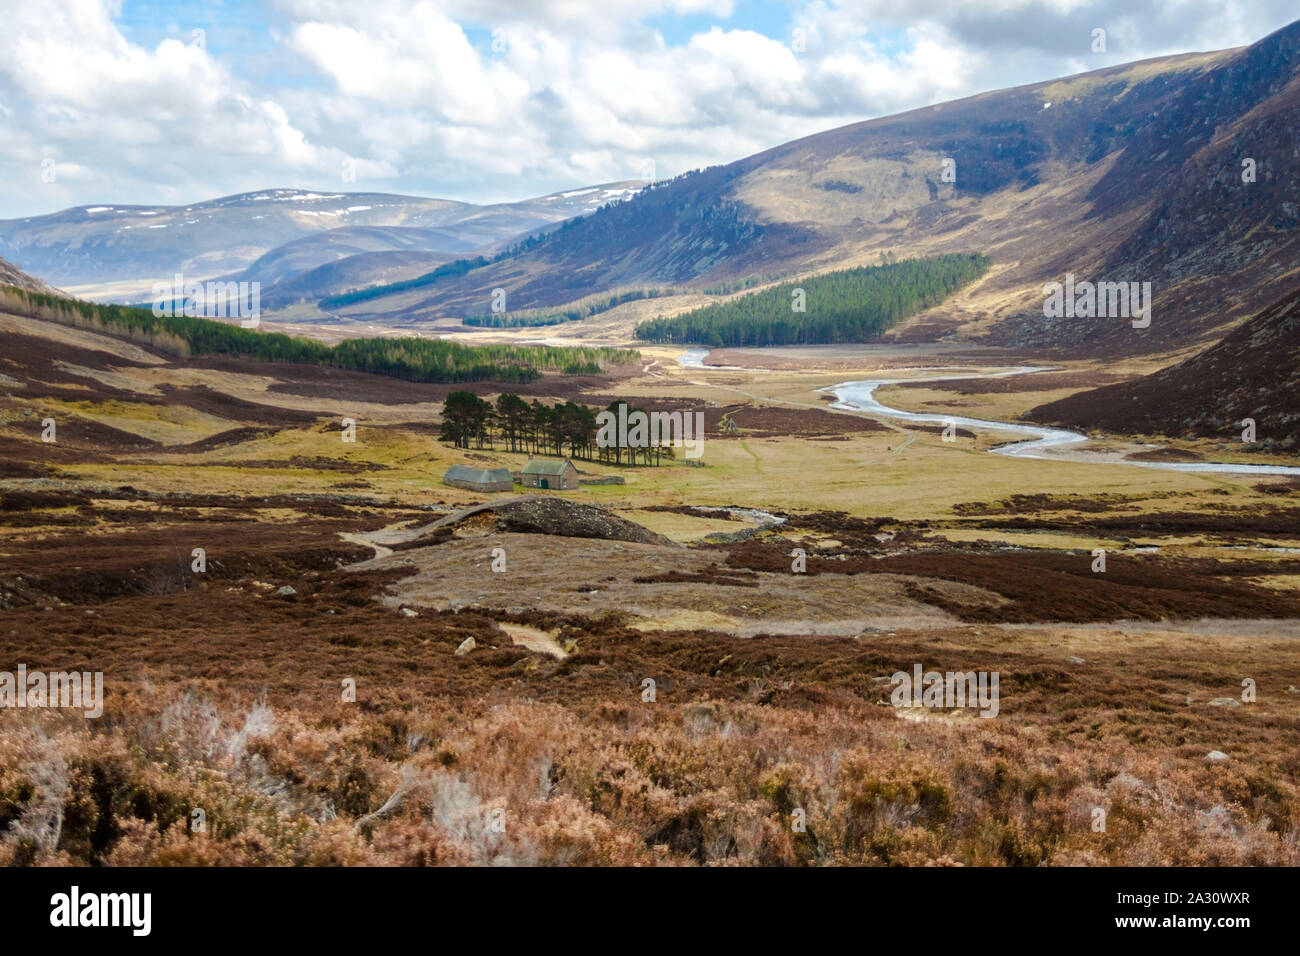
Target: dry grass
{"type": "Point", "coordinates": [772, 689]}
{"type": "Point", "coordinates": [740, 737]}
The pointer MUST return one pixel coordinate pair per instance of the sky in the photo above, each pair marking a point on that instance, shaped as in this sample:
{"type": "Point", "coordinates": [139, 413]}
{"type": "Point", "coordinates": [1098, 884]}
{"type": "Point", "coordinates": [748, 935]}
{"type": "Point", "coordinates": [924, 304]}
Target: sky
{"type": "Point", "coordinates": [176, 101]}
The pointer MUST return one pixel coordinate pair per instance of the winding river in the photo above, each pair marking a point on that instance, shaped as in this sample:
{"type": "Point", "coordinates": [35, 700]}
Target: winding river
{"type": "Point", "coordinates": [1048, 444]}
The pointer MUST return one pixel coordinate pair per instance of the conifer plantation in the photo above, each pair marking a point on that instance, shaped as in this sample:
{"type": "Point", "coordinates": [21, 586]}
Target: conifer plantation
{"type": "Point", "coordinates": [854, 305]}
{"type": "Point", "coordinates": [413, 359]}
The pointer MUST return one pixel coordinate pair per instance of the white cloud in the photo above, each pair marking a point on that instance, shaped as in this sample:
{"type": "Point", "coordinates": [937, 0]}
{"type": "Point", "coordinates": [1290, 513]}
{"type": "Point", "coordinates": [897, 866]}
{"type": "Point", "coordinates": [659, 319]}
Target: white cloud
{"type": "Point", "coordinates": [127, 123]}
{"type": "Point", "coordinates": [412, 94]}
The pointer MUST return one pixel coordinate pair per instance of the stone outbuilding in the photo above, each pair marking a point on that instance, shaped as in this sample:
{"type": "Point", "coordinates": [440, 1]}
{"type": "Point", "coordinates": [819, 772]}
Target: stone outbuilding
{"type": "Point", "coordinates": [549, 474]}
{"type": "Point", "coordinates": [479, 479]}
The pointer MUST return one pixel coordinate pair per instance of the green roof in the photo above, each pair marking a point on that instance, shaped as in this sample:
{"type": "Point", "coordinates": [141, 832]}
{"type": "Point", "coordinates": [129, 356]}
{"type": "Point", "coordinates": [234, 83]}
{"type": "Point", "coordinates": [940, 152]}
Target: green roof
{"type": "Point", "coordinates": [544, 466]}
{"type": "Point", "coordinates": [480, 476]}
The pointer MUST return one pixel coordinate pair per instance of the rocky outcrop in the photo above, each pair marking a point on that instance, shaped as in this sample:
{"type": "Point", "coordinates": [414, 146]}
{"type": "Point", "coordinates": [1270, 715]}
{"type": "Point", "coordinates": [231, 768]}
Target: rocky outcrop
{"type": "Point", "coordinates": [546, 514]}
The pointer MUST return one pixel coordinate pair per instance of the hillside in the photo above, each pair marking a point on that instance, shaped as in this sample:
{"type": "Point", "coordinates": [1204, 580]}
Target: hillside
{"type": "Point", "coordinates": [854, 305]}
{"type": "Point", "coordinates": [1127, 173]}
{"type": "Point", "coordinates": [343, 275]}
{"type": "Point", "coordinates": [413, 359]}
{"type": "Point", "coordinates": [13, 276]}
{"type": "Point", "coordinates": [318, 249]}
{"type": "Point", "coordinates": [99, 245]}
{"type": "Point", "coordinates": [1253, 373]}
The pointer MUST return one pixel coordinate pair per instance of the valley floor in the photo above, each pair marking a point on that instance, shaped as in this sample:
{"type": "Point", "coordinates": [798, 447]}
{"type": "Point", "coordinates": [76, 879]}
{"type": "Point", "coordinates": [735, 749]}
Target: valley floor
{"type": "Point", "coordinates": [229, 689]}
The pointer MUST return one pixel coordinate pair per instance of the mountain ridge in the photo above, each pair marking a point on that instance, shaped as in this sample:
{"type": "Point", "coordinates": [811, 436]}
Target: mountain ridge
{"type": "Point", "coordinates": [1044, 177]}
{"type": "Point", "coordinates": [113, 243]}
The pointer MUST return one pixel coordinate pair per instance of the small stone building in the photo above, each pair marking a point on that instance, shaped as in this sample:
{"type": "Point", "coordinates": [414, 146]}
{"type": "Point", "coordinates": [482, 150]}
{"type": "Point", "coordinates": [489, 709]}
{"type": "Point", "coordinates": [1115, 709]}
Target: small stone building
{"type": "Point", "coordinates": [549, 474]}
{"type": "Point", "coordinates": [478, 479]}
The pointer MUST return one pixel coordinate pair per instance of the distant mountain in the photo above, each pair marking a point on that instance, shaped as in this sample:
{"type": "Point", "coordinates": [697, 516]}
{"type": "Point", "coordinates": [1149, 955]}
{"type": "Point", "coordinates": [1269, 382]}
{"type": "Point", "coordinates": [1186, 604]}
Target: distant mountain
{"type": "Point", "coordinates": [92, 245]}
{"type": "Point", "coordinates": [301, 255]}
{"type": "Point", "coordinates": [1253, 373]}
{"type": "Point", "coordinates": [1128, 173]}
{"type": "Point", "coordinates": [343, 275]}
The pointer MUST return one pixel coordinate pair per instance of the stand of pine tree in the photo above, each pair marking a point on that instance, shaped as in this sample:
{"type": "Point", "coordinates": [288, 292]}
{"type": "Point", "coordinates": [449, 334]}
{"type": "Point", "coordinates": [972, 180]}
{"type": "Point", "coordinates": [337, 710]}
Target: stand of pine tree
{"type": "Point", "coordinates": [854, 305]}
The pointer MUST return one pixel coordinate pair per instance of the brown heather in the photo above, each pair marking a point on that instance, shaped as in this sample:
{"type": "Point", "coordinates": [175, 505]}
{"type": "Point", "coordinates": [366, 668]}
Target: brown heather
{"type": "Point", "coordinates": [243, 719]}
{"type": "Point", "coordinates": [223, 694]}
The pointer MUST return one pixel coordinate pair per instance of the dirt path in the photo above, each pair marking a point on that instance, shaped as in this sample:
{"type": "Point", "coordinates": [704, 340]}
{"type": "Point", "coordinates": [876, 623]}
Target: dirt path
{"type": "Point", "coordinates": [534, 640]}
{"type": "Point", "coordinates": [363, 539]}
{"type": "Point", "coordinates": [379, 540]}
